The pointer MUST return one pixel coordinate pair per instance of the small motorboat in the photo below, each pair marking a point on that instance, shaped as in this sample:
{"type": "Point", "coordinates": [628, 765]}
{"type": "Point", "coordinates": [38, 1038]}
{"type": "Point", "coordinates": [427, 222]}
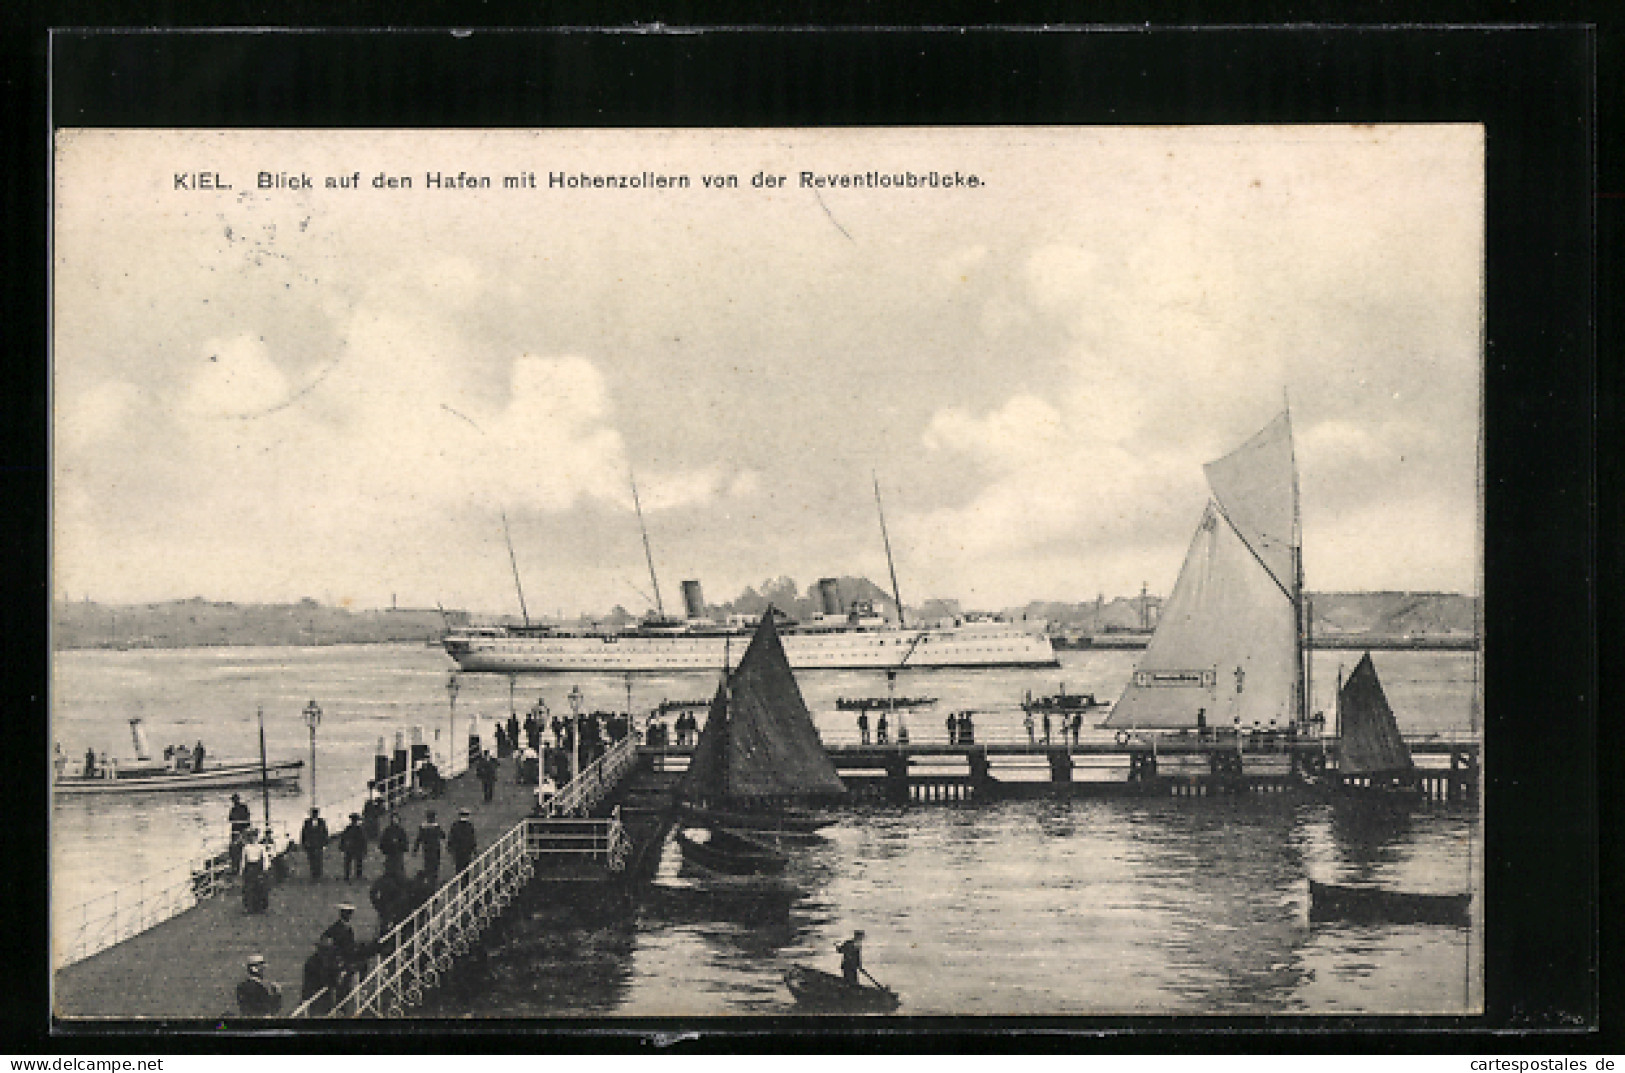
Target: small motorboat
{"type": "Point", "coordinates": [825, 992]}
{"type": "Point", "coordinates": [880, 704]}
{"type": "Point", "coordinates": [176, 771]}
{"type": "Point", "coordinates": [1061, 702]}
{"type": "Point", "coordinates": [730, 852]}
{"type": "Point", "coordinates": [1375, 905]}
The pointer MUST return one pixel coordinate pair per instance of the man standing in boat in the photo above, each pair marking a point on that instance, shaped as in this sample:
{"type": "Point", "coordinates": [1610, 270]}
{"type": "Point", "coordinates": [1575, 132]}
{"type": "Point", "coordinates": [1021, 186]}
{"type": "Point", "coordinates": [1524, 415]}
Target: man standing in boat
{"type": "Point", "coordinates": [851, 953]}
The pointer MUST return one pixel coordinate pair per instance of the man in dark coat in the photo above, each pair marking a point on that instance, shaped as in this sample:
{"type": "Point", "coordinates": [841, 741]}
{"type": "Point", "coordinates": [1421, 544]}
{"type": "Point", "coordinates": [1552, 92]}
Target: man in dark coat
{"type": "Point", "coordinates": [952, 722]}
{"type": "Point", "coordinates": [394, 846]}
{"type": "Point", "coordinates": [342, 935]}
{"type": "Point", "coordinates": [863, 726]}
{"type": "Point", "coordinates": [353, 844]}
{"type": "Point", "coordinates": [430, 837]}
{"type": "Point", "coordinates": [488, 775]}
{"type": "Point", "coordinates": [388, 896]}
{"type": "Point", "coordinates": [462, 840]}
{"type": "Point", "coordinates": [324, 969]}
{"type": "Point", "coordinates": [240, 821]}
{"type": "Point", "coordinates": [314, 838]}
{"type": "Point", "coordinates": [257, 996]}
{"type": "Point", "coordinates": [851, 953]}
{"type": "Point", "coordinates": [372, 812]}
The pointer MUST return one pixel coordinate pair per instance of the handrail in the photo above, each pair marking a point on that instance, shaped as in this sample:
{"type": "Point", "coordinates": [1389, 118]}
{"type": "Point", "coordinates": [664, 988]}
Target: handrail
{"type": "Point", "coordinates": [419, 950]}
{"type": "Point", "coordinates": [156, 899]}
{"type": "Point", "coordinates": [583, 793]}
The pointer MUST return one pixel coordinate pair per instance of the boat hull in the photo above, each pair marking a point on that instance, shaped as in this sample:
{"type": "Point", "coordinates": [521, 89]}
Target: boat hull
{"type": "Point", "coordinates": [732, 854]}
{"type": "Point", "coordinates": [1373, 905]}
{"type": "Point", "coordinates": [862, 649]}
{"type": "Point", "coordinates": [824, 992]}
{"type": "Point", "coordinates": [790, 822]}
{"type": "Point", "coordinates": [225, 777]}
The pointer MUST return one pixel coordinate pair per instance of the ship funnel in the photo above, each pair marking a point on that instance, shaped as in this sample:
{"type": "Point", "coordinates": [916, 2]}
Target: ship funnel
{"type": "Point", "coordinates": [693, 600]}
{"type": "Point", "coordinates": [138, 735]}
{"type": "Point", "coordinates": [829, 591]}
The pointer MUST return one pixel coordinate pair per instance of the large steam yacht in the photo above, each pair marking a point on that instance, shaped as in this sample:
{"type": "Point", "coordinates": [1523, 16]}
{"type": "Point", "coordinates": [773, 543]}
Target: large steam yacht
{"type": "Point", "coordinates": [856, 637]}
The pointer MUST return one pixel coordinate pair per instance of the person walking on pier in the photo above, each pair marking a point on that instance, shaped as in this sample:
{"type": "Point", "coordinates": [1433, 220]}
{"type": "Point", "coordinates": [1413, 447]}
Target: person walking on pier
{"type": "Point", "coordinates": [967, 729]}
{"type": "Point", "coordinates": [488, 776]}
{"type": "Point", "coordinates": [256, 895]}
{"type": "Point", "coordinates": [1077, 727]}
{"type": "Point", "coordinates": [462, 840]}
{"type": "Point", "coordinates": [393, 844]}
{"type": "Point", "coordinates": [353, 844]}
{"type": "Point", "coordinates": [197, 756]}
{"type": "Point", "coordinates": [851, 953]}
{"type": "Point", "coordinates": [1046, 728]}
{"type": "Point", "coordinates": [880, 730]}
{"type": "Point", "coordinates": [430, 837]}
{"type": "Point", "coordinates": [953, 728]}
{"type": "Point", "coordinates": [513, 731]}
{"type": "Point", "coordinates": [324, 971]}
{"type": "Point", "coordinates": [388, 897]}
{"type": "Point", "coordinates": [314, 838]}
{"type": "Point", "coordinates": [257, 996]}
{"type": "Point", "coordinates": [350, 952]}
{"type": "Point", "coordinates": [240, 821]}
{"type": "Point", "coordinates": [863, 726]}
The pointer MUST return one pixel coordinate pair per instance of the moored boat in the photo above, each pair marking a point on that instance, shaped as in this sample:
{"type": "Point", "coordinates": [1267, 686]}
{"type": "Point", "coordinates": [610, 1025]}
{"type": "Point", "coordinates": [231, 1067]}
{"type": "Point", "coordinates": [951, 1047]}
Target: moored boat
{"type": "Point", "coordinates": [139, 778]}
{"type": "Point", "coordinates": [757, 766]}
{"type": "Point", "coordinates": [825, 992]}
{"type": "Point", "coordinates": [730, 852]}
{"type": "Point", "coordinates": [1366, 904]}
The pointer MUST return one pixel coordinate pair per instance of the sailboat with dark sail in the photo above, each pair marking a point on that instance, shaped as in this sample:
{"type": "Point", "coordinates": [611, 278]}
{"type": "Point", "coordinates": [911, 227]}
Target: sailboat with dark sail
{"type": "Point", "coordinates": [759, 763]}
{"type": "Point", "coordinates": [1228, 653]}
{"type": "Point", "coordinates": [1371, 753]}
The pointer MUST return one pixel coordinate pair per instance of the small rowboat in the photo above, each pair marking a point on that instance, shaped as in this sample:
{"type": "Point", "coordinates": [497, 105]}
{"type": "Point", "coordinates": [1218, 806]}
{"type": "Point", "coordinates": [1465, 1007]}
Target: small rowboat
{"type": "Point", "coordinates": [731, 853]}
{"type": "Point", "coordinates": [824, 992]}
{"type": "Point", "coordinates": [1374, 905]}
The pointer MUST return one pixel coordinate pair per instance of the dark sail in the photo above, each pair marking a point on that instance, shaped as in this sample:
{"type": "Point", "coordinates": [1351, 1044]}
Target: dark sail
{"type": "Point", "coordinates": [759, 744]}
{"type": "Point", "coordinates": [1370, 739]}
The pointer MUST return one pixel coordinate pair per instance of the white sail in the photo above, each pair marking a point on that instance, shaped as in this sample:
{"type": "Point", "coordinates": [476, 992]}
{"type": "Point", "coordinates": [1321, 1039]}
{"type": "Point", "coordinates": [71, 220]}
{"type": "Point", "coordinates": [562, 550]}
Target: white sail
{"type": "Point", "coordinates": [1226, 643]}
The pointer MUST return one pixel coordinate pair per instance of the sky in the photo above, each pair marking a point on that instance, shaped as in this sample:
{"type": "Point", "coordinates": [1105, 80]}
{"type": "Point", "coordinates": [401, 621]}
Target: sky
{"type": "Point", "coordinates": [264, 394]}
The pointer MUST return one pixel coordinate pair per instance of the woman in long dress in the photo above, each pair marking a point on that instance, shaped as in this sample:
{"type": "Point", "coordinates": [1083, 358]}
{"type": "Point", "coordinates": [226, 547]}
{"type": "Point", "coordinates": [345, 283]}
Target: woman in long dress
{"type": "Point", "coordinates": [256, 896]}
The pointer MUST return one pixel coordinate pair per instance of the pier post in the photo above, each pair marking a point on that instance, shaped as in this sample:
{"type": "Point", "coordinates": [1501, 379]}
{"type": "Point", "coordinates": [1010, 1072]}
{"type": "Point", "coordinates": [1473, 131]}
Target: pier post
{"type": "Point", "coordinates": [897, 779]}
{"type": "Point", "coordinates": [398, 763]}
{"type": "Point", "coordinates": [420, 752]}
{"type": "Point", "coordinates": [380, 762]}
{"type": "Point", "coordinates": [981, 779]}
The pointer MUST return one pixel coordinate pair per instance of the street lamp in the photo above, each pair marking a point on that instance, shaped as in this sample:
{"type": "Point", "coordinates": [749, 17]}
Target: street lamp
{"type": "Point", "coordinates": [576, 700]}
{"type": "Point", "coordinates": [451, 719]}
{"type": "Point", "coordinates": [313, 719]}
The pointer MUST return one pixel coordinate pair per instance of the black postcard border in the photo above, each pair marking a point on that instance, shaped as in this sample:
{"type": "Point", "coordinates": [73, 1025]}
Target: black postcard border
{"type": "Point", "coordinates": [1532, 87]}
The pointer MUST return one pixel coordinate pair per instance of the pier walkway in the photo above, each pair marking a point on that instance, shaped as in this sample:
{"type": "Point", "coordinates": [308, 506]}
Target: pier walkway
{"type": "Point", "coordinates": [188, 966]}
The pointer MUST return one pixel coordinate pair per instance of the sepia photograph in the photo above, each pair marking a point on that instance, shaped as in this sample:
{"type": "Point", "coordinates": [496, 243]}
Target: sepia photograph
{"type": "Point", "coordinates": [530, 574]}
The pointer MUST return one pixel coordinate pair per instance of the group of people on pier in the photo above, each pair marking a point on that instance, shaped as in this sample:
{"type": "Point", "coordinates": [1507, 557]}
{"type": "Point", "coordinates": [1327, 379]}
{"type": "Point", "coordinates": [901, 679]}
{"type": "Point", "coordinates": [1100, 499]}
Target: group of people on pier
{"type": "Point", "coordinates": [961, 729]}
{"type": "Point", "coordinates": [333, 966]}
{"type": "Point", "coordinates": [1072, 725]}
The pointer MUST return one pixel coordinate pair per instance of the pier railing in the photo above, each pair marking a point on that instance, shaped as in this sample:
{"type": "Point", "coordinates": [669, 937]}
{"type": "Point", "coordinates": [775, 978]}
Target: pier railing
{"type": "Point", "coordinates": [99, 922]}
{"type": "Point", "coordinates": [583, 793]}
{"type": "Point", "coordinates": [417, 953]}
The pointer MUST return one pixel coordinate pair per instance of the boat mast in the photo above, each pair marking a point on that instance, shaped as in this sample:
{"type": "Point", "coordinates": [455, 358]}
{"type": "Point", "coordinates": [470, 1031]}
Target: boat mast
{"type": "Point", "coordinates": [1300, 606]}
{"type": "Point", "coordinates": [515, 563]}
{"type": "Point", "coordinates": [660, 609]}
{"type": "Point", "coordinates": [896, 595]}
{"type": "Point", "coordinates": [265, 778]}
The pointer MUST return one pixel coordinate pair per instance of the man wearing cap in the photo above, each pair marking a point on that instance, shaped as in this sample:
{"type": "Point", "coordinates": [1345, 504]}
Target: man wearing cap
{"type": "Point", "coordinates": [353, 844]}
{"type": "Point", "coordinates": [462, 840]}
{"type": "Point", "coordinates": [851, 953]}
{"type": "Point", "coordinates": [314, 837]}
{"type": "Point", "coordinates": [342, 935]}
{"type": "Point", "coordinates": [257, 996]}
{"type": "Point", "coordinates": [240, 821]}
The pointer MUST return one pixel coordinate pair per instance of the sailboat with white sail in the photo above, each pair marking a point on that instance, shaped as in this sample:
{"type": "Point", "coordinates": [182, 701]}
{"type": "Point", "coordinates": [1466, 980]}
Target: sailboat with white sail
{"type": "Point", "coordinates": [1228, 653]}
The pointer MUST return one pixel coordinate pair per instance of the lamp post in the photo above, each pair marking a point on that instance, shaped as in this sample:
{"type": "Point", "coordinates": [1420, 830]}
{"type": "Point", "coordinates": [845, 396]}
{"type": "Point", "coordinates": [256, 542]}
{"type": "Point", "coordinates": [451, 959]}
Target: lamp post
{"type": "Point", "coordinates": [451, 720]}
{"type": "Point", "coordinates": [313, 719]}
{"type": "Point", "coordinates": [576, 700]}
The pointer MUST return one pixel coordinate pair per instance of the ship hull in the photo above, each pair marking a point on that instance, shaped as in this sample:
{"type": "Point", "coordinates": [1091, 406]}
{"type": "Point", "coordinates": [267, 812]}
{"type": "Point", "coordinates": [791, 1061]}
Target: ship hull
{"type": "Point", "coordinates": [858, 650]}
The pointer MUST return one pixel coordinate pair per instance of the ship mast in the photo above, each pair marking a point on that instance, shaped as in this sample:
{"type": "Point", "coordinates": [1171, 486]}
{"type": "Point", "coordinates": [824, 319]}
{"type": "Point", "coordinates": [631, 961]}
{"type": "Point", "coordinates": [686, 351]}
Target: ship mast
{"type": "Point", "coordinates": [896, 595]}
{"type": "Point", "coordinates": [1300, 605]}
{"type": "Point", "coordinates": [515, 563]}
{"type": "Point", "coordinates": [660, 608]}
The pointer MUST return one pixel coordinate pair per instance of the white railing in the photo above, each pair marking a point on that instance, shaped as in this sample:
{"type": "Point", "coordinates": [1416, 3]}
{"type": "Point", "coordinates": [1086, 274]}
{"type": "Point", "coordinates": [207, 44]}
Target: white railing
{"type": "Point", "coordinates": [417, 953]}
{"type": "Point", "coordinates": [583, 793]}
{"type": "Point", "coordinates": [99, 922]}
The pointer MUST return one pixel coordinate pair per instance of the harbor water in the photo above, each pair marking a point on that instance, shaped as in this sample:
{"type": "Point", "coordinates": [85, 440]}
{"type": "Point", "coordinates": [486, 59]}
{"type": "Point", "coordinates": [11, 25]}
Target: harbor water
{"type": "Point", "coordinates": [1078, 906]}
